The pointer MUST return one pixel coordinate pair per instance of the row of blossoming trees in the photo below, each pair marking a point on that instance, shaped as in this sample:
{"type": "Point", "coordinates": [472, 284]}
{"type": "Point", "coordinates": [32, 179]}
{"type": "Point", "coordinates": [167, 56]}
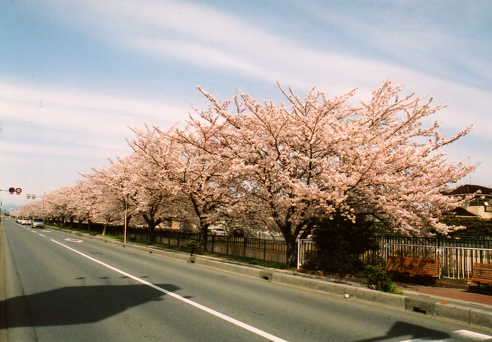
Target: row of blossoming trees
{"type": "Point", "coordinates": [280, 166]}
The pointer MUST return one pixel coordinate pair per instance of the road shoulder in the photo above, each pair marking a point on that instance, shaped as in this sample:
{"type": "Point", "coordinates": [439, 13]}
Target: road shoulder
{"type": "Point", "coordinates": [3, 303]}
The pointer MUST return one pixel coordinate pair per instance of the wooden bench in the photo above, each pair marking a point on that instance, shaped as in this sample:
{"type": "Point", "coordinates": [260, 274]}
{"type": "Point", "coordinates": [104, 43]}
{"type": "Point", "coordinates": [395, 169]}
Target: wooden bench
{"type": "Point", "coordinates": [482, 273]}
{"type": "Point", "coordinates": [413, 266]}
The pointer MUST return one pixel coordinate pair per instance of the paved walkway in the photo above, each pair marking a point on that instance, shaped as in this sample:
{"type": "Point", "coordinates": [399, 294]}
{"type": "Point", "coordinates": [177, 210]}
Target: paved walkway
{"type": "Point", "coordinates": [458, 293]}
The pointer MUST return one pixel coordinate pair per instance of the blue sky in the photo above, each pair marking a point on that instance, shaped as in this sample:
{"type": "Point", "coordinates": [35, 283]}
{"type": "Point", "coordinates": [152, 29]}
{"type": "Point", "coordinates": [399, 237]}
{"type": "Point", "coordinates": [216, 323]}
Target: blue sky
{"type": "Point", "coordinates": [75, 74]}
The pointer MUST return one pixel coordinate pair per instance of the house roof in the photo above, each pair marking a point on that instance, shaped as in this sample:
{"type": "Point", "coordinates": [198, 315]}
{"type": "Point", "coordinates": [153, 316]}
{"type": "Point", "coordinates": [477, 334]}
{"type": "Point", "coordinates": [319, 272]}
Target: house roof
{"type": "Point", "coordinates": [462, 212]}
{"type": "Point", "coordinates": [467, 189]}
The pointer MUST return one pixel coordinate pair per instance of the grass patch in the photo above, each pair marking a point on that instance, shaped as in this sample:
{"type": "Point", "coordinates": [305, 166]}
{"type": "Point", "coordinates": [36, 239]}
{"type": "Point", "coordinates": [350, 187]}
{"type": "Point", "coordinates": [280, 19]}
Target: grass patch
{"type": "Point", "coordinates": [174, 247]}
{"type": "Point", "coordinates": [248, 260]}
{"type": "Point", "coordinates": [133, 240]}
{"type": "Point", "coordinates": [453, 281]}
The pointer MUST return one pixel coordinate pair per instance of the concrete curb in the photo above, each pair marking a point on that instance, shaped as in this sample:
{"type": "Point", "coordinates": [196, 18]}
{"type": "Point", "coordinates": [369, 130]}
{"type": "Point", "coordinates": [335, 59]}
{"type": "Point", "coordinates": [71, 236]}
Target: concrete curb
{"type": "Point", "coordinates": [428, 305]}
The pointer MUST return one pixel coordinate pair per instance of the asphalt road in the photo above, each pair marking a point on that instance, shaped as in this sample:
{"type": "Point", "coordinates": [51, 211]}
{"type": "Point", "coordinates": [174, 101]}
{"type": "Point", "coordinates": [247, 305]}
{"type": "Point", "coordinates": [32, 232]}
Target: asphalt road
{"type": "Point", "coordinates": [62, 288]}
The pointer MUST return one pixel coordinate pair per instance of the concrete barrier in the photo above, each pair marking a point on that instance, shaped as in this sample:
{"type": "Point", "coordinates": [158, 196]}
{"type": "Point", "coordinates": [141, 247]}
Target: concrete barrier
{"type": "Point", "coordinates": [481, 318]}
{"type": "Point", "coordinates": [453, 311]}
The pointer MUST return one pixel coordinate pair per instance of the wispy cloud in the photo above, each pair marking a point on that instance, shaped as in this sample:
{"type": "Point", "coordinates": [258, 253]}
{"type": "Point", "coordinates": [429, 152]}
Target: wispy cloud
{"type": "Point", "coordinates": [187, 43]}
{"type": "Point", "coordinates": [205, 37]}
{"type": "Point", "coordinates": [444, 39]}
{"type": "Point", "coordinates": [70, 113]}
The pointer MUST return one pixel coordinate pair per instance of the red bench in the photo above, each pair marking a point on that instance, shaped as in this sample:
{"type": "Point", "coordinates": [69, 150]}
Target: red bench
{"type": "Point", "coordinates": [413, 266]}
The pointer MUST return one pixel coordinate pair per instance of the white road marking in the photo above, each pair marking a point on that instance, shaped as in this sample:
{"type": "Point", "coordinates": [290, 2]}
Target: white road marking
{"type": "Point", "coordinates": [42, 235]}
{"type": "Point", "coordinates": [72, 240]}
{"type": "Point", "coordinates": [473, 335]}
{"type": "Point", "coordinates": [426, 339]}
{"type": "Point", "coordinates": [185, 300]}
{"type": "Point", "coordinates": [469, 335]}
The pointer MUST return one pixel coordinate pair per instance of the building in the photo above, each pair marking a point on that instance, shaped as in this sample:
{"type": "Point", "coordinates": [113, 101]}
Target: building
{"type": "Point", "coordinates": [480, 206]}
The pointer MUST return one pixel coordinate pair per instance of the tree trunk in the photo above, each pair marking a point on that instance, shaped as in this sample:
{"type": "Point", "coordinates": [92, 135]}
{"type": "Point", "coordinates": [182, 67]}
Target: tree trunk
{"type": "Point", "coordinates": [104, 228]}
{"type": "Point", "coordinates": [204, 242]}
{"type": "Point", "coordinates": [152, 233]}
{"type": "Point", "coordinates": [152, 223]}
{"type": "Point", "coordinates": [291, 244]}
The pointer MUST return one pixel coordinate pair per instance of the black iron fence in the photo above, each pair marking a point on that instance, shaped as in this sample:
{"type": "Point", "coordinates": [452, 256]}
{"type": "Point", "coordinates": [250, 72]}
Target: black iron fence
{"type": "Point", "coordinates": [263, 249]}
{"type": "Point", "coordinates": [456, 254]}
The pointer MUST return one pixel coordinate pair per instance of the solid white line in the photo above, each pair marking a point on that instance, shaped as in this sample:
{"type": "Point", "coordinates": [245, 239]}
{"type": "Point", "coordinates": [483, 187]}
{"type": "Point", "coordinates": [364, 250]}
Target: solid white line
{"type": "Point", "coordinates": [185, 300]}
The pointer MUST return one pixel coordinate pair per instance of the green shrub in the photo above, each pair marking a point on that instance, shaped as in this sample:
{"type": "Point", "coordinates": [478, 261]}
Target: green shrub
{"type": "Point", "coordinates": [378, 278]}
{"type": "Point", "coordinates": [340, 241]}
{"type": "Point", "coordinates": [193, 245]}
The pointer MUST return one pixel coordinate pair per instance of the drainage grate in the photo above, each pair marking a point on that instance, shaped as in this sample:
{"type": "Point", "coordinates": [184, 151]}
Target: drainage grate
{"type": "Point", "coordinates": [419, 310]}
{"type": "Point", "coordinates": [266, 275]}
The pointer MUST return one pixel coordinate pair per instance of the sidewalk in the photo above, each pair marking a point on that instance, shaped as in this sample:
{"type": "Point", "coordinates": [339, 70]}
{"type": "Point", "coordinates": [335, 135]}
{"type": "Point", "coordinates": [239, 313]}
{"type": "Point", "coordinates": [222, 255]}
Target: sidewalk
{"type": "Point", "coordinates": [456, 293]}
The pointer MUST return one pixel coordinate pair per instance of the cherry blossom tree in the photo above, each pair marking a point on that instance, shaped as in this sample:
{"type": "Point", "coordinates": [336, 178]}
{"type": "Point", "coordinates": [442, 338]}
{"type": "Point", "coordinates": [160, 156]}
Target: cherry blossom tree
{"type": "Point", "coordinates": [85, 196]}
{"type": "Point", "coordinates": [135, 182]}
{"type": "Point", "coordinates": [51, 209]}
{"type": "Point", "coordinates": [200, 176]}
{"type": "Point", "coordinates": [287, 165]}
{"type": "Point", "coordinates": [60, 204]}
{"type": "Point", "coordinates": [320, 155]}
{"type": "Point", "coordinates": [32, 209]}
{"type": "Point", "coordinates": [109, 208]}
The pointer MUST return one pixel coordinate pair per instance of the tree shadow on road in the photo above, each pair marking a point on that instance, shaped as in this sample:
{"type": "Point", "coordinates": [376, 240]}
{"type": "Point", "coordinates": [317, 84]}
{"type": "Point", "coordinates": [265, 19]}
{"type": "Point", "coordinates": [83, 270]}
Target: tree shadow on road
{"type": "Point", "coordinates": [78, 304]}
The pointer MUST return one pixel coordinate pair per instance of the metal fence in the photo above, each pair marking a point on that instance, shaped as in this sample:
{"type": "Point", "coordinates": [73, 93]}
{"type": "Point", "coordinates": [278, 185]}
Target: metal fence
{"type": "Point", "coordinates": [456, 261]}
{"type": "Point", "coordinates": [262, 249]}
{"type": "Point", "coordinates": [456, 255]}
{"type": "Point", "coordinates": [467, 242]}
{"type": "Point", "coordinates": [304, 247]}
